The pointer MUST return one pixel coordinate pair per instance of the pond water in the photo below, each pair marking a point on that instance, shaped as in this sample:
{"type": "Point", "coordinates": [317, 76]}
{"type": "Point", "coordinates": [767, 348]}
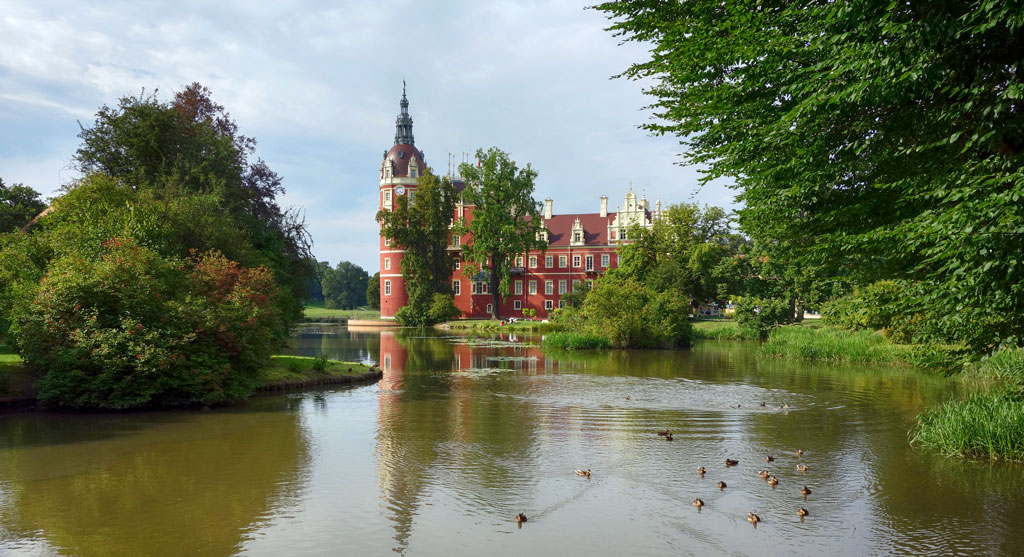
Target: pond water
{"type": "Point", "coordinates": [463, 433]}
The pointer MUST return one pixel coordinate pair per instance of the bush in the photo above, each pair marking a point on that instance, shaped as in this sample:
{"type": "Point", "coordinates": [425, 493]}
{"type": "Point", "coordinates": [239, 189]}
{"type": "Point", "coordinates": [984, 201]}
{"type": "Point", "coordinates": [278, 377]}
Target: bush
{"type": "Point", "coordinates": [758, 316]}
{"type": "Point", "coordinates": [442, 309]}
{"type": "Point", "coordinates": [575, 341]}
{"type": "Point", "coordinates": [135, 330]}
{"type": "Point", "coordinates": [985, 424]}
{"type": "Point", "coordinates": [630, 315]}
{"type": "Point", "coordinates": [835, 345]}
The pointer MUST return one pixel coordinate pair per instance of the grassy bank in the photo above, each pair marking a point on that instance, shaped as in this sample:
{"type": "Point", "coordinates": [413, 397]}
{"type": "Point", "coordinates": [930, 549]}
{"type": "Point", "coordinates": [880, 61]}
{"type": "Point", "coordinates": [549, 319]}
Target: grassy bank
{"type": "Point", "coordinates": [575, 341]}
{"type": "Point", "coordinates": [495, 325]}
{"type": "Point", "coordinates": [835, 345]}
{"type": "Point", "coordinates": [295, 371]}
{"type": "Point", "coordinates": [989, 423]}
{"type": "Point", "coordinates": [718, 329]}
{"type": "Point", "coordinates": [315, 311]}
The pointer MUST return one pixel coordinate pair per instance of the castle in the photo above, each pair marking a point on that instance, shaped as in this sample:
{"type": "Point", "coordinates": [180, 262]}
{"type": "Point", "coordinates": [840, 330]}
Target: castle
{"type": "Point", "coordinates": [581, 246]}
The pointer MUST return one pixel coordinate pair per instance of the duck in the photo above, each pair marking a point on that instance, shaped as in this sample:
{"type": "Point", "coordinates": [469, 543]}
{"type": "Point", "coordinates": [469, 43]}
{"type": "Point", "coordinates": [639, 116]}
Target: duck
{"type": "Point", "coordinates": [801, 467]}
{"type": "Point", "coordinates": [698, 503]}
{"type": "Point", "coordinates": [764, 474]}
{"type": "Point", "coordinates": [721, 485]}
{"type": "Point", "coordinates": [802, 511]}
{"type": "Point", "coordinates": [520, 518]}
{"type": "Point", "coordinates": [805, 491]}
{"type": "Point", "coordinates": [701, 471]}
{"type": "Point", "coordinates": [769, 458]}
{"type": "Point", "coordinates": [585, 473]}
{"type": "Point", "coordinates": [753, 518]}
{"type": "Point", "coordinates": [799, 452]}
{"type": "Point", "coordinates": [730, 462]}
{"type": "Point", "coordinates": [772, 480]}
{"type": "Point", "coordinates": [762, 404]}
{"type": "Point", "coordinates": [668, 437]}
{"type": "Point", "coordinates": [783, 406]}
{"type": "Point", "coordinates": [625, 397]}
{"type": "Point", "coordinates": [664, 432]}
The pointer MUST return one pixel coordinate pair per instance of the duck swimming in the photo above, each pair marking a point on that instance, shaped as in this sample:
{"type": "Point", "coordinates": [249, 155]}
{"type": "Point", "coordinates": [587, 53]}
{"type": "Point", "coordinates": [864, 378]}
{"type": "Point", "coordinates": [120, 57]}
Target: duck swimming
{"type": "Point", "coordinates": [698, 503]}
{"type": "Point", "coordinates": [772, 480]}
{"type": "Point", "coordinates": [753, 518]}
{"type": "Point", "coordinates": [805, 492]}
{"type": "Point", "coordinates": [763, 474]}
{"type": "Point", "coordinates": [730, 462]}
{"type": "Point", "coordinates": [668, 437]}
{"type": "Point", "coordinates": [721, 485]}
{"type": "Point", "coordinates": [802, 511]}
{"type": "Point", "coordinates": [701, 471]}
{"type": "Point", "coordinates": [799, 452]}
{"type": "Point", "coordinates": [801, 467]}
{"type": "Point", "coordinates": [664, 432]}
{"type": "Point", "coordinates": [520, 518]}
{"type": "Point", "coordinates": [583, 472]}
{"type": "Point", "coordinates": [769, 458]}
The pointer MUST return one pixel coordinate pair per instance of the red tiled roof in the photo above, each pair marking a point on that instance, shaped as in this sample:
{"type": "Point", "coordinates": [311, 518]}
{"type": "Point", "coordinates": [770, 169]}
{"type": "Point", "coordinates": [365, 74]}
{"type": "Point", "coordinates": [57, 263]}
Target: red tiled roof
{"type": "Point", "coordinates": [401, 164]}
{"type": "Point", "coordinates": [595, 228]}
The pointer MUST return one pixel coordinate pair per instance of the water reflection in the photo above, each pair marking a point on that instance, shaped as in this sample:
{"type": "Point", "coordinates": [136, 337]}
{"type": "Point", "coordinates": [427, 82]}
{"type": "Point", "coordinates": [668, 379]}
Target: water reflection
{"type": "Point", "coordinates": [148, 484]}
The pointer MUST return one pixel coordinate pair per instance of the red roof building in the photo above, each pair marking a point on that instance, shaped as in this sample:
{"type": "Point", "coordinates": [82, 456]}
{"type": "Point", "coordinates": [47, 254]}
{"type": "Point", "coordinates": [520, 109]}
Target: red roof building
{"type": "Point", "coordinates": [581, 246]}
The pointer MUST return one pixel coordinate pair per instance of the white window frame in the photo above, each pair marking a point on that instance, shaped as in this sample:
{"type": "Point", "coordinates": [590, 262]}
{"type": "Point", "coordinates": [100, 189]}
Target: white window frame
{"type": "Point", "coordinates": [549, 287]}
{"type": "Point", "coordinates": [590, 285]}
{"type": "Point", "coordinates": [561, 304]}
{"type": "Point", "coordinates": [387, 263]}
{"type": "Point", "coordinates": [605, 259]}
{"type": "Point", "coordinates": [575, 261]}
{"type": "Point", "coordinates": [519, 261]}
{"type": "Point", "coordinates": [533, 261]}
{"type": "Point", "coordinates": [458, 264]}
{"type": "Point", "coordinates": [562, 287]}
{"type": "Point", "coordinates": [457, 287]}
{"type": "Point", "coordinates": [533, 287]}
{"type": "Point", "coordinates": [549, 305]}
{"type": "Point", "coordinates": [575, 285]}
{"type": "Point", "coordinates": [490, 309]}
{"type": "Point", "coordinates": [549, 261]}
{"type": "Point", "coordinates": [387, 241]}
{"type": "Point", "coordinates": [456, 240]}
{"type": "Point", "coordinates": [563, 261]}
{"type": "Point", "coordinates": [518, 286]}
{"type": "Point", "coordinates": [517, 305]}
{"type": "Point", "coordinates": [387, 287]}
{"type": "Point", "coordinates": [588, 263]}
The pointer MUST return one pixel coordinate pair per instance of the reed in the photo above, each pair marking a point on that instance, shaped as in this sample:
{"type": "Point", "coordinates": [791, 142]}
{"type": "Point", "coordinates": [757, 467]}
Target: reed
{"type": "Point", "coordinates": [576, 341]}
{"type": "Point", "coordinates": [988, 424]}
{"type": "Point", "coordinates": [825, 343]}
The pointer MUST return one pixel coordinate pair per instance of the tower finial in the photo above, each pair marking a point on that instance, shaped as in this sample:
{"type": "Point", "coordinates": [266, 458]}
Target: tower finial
{"type": "Point", "coordinates": [403, 124]}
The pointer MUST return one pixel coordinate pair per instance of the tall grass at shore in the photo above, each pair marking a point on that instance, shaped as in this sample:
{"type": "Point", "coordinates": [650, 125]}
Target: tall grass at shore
{"type": "Point", "coordinates": [982, 425]}
{"type": "Point", "coordinates": [836, 345]}
{"type": "Point", "coordinates": [575, 341]}
{"type": "Point", "coordinates": [717, 330]}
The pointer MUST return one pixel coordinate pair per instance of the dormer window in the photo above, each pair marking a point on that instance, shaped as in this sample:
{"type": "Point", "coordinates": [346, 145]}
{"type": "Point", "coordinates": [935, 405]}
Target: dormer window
{"type": "Point", "coordinates": [543, 235]}
{"type": "Point", "coordinates": [401, 154]}
{"type": "Point", "coordinates": [577, 237]}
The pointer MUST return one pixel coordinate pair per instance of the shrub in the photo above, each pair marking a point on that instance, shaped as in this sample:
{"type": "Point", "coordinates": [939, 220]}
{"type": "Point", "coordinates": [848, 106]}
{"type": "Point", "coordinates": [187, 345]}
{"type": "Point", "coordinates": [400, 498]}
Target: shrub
{"type": "Point", "coordinates": [575, 341]}
{"type": "Point", "coordinates": [630, 315]}
{"type": "Point", "coordinates": [132, 329]}
{"type": "Point", "coordinates": [442, 309]}
{"type": "Point", "coordinates": [758, 316]}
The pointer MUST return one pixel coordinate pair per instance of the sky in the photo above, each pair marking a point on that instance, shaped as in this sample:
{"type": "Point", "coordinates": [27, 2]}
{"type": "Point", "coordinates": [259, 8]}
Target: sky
{"type": "Point", "coordinates": [317, 84]}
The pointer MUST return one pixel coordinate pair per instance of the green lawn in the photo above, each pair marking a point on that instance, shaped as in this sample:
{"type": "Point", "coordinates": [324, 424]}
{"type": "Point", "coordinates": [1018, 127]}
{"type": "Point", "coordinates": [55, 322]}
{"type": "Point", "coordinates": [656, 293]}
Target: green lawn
{"type": "Point", "coordinates": [286, 369]}
{"type": "Point", "coordinates": [316, 310]}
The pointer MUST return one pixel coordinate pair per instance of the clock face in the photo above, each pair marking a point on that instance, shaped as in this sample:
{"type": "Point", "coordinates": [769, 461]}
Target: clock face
{"type": "Point", "coordinates": [400, 190]}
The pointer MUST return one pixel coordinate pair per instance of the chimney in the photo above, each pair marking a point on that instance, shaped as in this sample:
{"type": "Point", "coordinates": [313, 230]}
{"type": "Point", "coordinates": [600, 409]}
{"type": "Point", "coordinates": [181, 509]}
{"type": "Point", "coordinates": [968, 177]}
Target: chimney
{"type": "Point", "coordinates": [604, 205]}
{"type": "Point", "coordinates": [547, 208]}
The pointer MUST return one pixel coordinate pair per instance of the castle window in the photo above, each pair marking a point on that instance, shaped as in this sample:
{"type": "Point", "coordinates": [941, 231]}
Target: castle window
{"type": "Point", "coordinates": [575, 285]}
{"type": "Point", "coordinates": [387, 241]}
{"type": "Point", "coordinates": [590, 263]}
{"type": "Point", "coordinates": [590, 284]}
{"type": "Point", "coordinates": [490, 308]}
{"type": "Point", "coordinates": [549, 305]}
{"type": "Point", "coordinates": [575, 261]}
{"type": "Point", "coordinates": [387, 288]}
{"type": "Point", "coordinates": [456, 287]}
{"type": "Point", "coordinates": [561, 304]}
{"type": "Point", "coordinates": [456, 240]}
{"type": "Point", "coordinates": [401, 154]}
{"type": "Point", "coordinates": [519, 261]}
{"type": "Point", "coordinates": [604, 260]}
{"type": "Point", "coordinates": [533, 261]}
{"type": "Point", "coordinates": [563, 261]}
{"type": "Point", "coordinates": [387, 197]}
{"type": "Point", "coordinates": [518, 287]}
{"type": "Point", "coordinates": [549, 261]}
{"type": "Point", "coordinates": [458, 263]}
{"type": "Point", "coordinates": [533, 287]}
{"type": "Point", "coordinates": [549, 287]}
{"type": "Point", "coordinates": [387, 263]}
{"type": "Point", "coordinates": [577, 237]}
{"type": "Point", "coordinates": [517, 305]}
{"type": "Point", "coordinates": [561, 287]}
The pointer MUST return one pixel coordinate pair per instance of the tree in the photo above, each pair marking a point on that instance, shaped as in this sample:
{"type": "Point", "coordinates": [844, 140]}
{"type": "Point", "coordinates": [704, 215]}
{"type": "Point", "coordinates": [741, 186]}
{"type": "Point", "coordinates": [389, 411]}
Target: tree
{"type": "Point", "coordinates": [422, 229]}
{"type": "Point", "coordinates": [190, 148]}
{"type": "Point", "coordinates": [344, 286]}
{"type": "Point", "coordinates": [878, 139]}
{"type": "Point", "coordinates": [506, 221]}
{"type": "Point", "coordinates": [373, 291]}
{"type": "Point", "coordinates": [18, 204]}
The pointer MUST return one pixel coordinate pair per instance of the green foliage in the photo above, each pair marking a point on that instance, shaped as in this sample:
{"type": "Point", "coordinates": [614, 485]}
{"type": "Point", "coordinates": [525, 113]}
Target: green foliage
{"type": "Point", "coordinates": [869, 140]}
{"type": "Point", "coordinates": [320, 363]}
{"type": "Point", "coordinates": [631, 315]}
{"type": "Point", "coordinates": [506, 220]}
{"type": "Point", "coordinates": [442, 309]}
{"type": "Point", "coordinates": [134, 329]}
{"type": "Point", "coordinates": [18, 204]}
{"type": "Point", "coordinates": [575, 341]}
{"type": "Point", "coordinates": [373, 291]}
{"type": "Point", "coordinates": [345, 286]}
{"type": "Point", "coordinates": [718, 330]}
{"type": "Point", "coordinates": [758, 316]}
{"type": "Point", "coordinates": [987, 424]}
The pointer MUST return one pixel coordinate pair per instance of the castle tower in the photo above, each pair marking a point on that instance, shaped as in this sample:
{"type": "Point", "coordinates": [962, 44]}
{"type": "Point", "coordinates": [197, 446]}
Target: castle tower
{"type": "Point", "coordinates": [399, 177]}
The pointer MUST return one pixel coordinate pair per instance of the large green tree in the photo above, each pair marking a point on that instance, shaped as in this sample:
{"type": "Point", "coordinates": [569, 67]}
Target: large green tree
{"type": "Point", "coordinates": [422, 226]}
{"type": "Point", "coordinates": [881, 139]}
{"type": "Point", "coordinates": [506, 220]}
{"type": "Point", "coordinates": [190, 148]}
{"type": "Point", "coordinates": [344, 286]}
{"type": "Point", "coordinates": [18, 204]}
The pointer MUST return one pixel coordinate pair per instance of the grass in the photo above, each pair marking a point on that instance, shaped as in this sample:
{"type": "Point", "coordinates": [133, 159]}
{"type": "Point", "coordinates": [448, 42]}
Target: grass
{"type": "Point", "coordinates": [495, 325]}
{"type": "Point", "coordinates": [575, 341]}
{"type": "Point", "coordinates": [717, 329]}
{"type": "Point", "coordinates": [316, 311]}
{"type": "Point", "coordinates": [296, 368]}
{"type": "Point", "coordinates": [989, 424]}
{"type": "Point", "coordinates": [836, 345]}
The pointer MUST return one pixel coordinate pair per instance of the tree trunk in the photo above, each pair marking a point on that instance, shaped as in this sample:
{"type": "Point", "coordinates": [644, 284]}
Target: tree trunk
{"type": "Point", "coordinates": [495, 283]}
{"type": "Point", "coordinates": [792, 309]}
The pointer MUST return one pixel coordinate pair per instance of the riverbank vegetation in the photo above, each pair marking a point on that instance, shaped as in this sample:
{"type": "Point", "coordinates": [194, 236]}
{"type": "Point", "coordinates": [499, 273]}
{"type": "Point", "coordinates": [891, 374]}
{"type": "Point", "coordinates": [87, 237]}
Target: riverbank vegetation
{"type": "Point", "coordinates": [499, 326]}
{"type": "Point", "coordinates": [293, 371]}
{"type": "Point", "coordinates": [167, 275]}
{"type": "Point", "coordinates": [575, 341]}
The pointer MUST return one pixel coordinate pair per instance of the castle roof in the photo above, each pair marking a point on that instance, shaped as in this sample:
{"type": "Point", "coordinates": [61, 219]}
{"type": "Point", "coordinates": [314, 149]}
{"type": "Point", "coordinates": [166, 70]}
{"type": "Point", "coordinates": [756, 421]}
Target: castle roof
{"type": "Point", "coordinates": [595, 228]}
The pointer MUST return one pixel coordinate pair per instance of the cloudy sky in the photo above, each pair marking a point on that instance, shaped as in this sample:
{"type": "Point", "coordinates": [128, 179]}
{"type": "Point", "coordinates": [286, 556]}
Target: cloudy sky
{"type": "Point", "coordinates": [318, 83]}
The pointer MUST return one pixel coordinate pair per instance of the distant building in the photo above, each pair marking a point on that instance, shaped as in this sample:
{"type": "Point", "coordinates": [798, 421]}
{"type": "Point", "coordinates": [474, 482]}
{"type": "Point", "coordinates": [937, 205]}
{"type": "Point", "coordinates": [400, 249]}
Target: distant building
{"type": "Point", "coordinates": [581, 246]}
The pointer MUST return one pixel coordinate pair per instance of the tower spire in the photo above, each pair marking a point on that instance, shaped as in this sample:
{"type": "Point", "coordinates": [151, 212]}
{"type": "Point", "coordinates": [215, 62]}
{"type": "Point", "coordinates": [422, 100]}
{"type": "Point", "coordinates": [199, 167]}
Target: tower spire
{"type": "Point", "coordinates": [403, 124]}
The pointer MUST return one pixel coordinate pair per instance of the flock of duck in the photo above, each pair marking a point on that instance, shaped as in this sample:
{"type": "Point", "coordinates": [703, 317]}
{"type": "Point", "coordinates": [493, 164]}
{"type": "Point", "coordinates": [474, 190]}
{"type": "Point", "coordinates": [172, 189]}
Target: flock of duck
{"type": "Point", "coordinates": [765, 475]}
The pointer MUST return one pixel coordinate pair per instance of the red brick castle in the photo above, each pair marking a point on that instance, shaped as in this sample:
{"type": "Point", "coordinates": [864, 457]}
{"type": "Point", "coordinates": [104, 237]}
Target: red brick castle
{"type": "Point", "coordinates": [581, 246]}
